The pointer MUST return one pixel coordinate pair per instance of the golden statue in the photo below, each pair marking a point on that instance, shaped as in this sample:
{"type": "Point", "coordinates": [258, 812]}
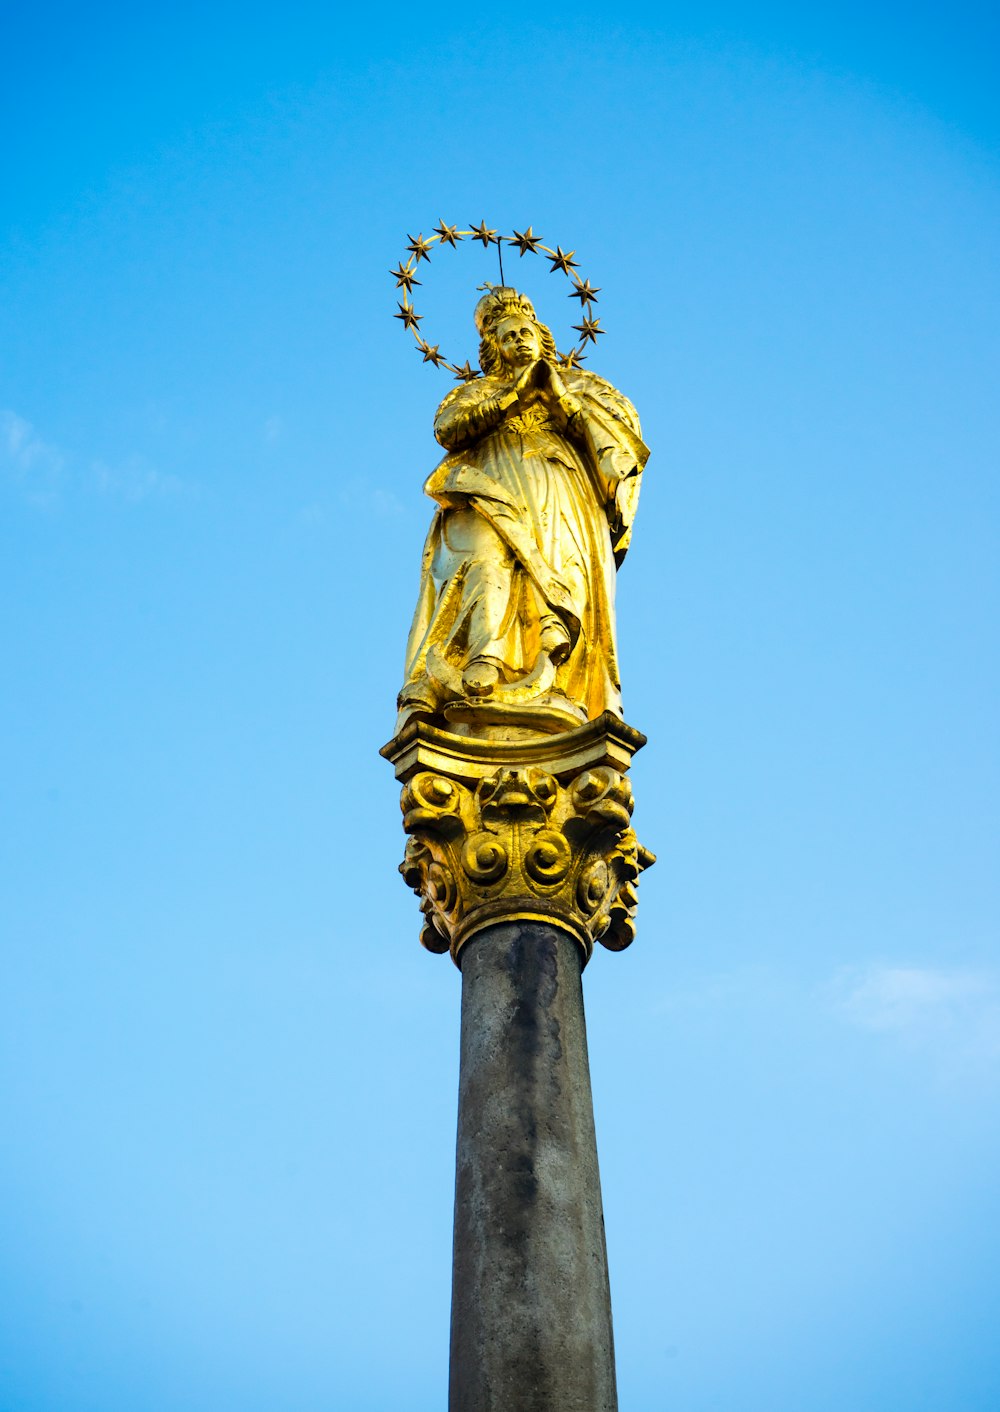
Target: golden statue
{"type": "Point", "coordinates": [510, 744]}
{"type": "Point", "coordinates": [515, 622]}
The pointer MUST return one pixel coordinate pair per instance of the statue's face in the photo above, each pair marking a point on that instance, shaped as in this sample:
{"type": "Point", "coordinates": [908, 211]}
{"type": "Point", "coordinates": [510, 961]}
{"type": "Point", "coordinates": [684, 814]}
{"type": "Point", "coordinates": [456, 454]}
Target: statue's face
{"type": "Point", "coordinates": [519, 341]}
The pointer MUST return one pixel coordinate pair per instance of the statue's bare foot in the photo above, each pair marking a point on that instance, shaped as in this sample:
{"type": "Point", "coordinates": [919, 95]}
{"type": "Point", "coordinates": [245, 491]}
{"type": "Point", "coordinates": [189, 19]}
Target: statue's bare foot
{"type": "Point", "coordinates": [555, 640]}
{"type": "Point", "coordinates": [480, 677]}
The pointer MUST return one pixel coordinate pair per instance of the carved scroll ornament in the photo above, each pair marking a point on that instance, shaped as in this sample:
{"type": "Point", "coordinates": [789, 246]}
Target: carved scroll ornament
{"type": "Point", "coordinates": [521, 844]}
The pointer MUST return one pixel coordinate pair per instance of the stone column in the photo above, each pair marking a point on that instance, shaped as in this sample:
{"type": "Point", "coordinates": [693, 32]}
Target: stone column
{"type": "Point", "coordinates": [522, 852]}
{"type": "Point", "coordinates": [531, 1307]}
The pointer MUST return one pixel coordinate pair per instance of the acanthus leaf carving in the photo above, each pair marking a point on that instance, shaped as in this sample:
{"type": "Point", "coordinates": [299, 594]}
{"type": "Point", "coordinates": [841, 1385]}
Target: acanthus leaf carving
{"type": "Point", "coordinates": [522, 841]}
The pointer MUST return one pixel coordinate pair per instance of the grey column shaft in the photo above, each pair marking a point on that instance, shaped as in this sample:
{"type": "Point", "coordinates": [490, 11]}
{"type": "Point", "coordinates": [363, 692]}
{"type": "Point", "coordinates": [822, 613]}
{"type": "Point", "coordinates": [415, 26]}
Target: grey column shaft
{"type": "Point", "coordinates": [531, 1306]}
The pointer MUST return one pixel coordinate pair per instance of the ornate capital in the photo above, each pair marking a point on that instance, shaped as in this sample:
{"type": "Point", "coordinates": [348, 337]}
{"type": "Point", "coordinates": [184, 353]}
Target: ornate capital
{"type": "Point", "coordinates": [537, 828]}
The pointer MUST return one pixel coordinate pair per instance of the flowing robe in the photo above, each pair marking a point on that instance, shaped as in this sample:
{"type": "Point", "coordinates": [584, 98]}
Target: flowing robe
{"type": "Point", "coordinates": [534, 514]}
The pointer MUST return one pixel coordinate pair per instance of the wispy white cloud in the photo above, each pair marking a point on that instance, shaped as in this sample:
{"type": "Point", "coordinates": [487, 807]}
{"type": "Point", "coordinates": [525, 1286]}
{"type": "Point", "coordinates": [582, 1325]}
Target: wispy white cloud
{"type": "Point", "coordinates": [384, 502]}
{"type": "Point", "coordinates": [954, 1010]}
{"type": "Point", "coordinates": [35, 466]}
{"type": "Point", "coordinates": [950, 1016]}
{"type": "Point", "coordinates": [43, 472]}
{"type": "Point", "coordinates": [134, 480]}
{"type": "Point", "coordinates": [364, 497]}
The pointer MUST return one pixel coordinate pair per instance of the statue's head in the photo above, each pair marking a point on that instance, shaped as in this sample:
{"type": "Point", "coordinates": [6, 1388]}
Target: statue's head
{"type": "Point", "coordinates": [511, 336]}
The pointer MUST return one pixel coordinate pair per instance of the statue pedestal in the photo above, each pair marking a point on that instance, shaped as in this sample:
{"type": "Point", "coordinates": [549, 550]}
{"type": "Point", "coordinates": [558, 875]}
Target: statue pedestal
{"type": "Point", "coordinates": [521, 849]}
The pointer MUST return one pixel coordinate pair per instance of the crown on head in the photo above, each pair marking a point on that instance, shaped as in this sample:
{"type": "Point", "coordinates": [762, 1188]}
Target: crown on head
{"type": "Point", "coordinates": [499, 303]}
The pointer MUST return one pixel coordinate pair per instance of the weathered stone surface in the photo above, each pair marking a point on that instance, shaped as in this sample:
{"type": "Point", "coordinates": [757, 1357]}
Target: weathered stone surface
{"type": "Point", "coordinates": [531, 1307]}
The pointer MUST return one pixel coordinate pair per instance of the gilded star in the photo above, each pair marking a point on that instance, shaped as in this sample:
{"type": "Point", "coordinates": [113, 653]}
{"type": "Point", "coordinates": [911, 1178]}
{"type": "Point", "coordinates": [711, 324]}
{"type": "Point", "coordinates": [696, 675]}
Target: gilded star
{"type": "Point", "coordinates": [572, 359]}
{"type": "Point", "coordinates": [482, 232]}
{"type": "Point", "coordinates": [410, 318]}
{"type": "Point", "coordinates": [589, 329]}
{"type": "Point", "coordinates": [584, 291]}
{"type": "Point", "coordinates": [404, 275]}
{"type": "Point", "coordinates": [431, 354]}
{"type": "Point", "coordinates": [449, 234]}
{"type": "Point", "coordinates": [562, 260]}
{"type": "Point", "coordinates": [419, 247]}
{"type": "Point", "coordinates": [525, 242]}
{"type": "Point", "coordinates": [465, 372]}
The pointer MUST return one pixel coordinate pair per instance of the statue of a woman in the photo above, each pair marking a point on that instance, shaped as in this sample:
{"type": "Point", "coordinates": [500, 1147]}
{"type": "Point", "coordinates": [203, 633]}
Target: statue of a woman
{"type": "Point", "coordinates": [515, 621]}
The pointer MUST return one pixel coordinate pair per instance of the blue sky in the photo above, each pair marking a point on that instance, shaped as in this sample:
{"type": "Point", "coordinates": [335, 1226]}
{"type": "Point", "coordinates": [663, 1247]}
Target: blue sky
{"type": "Point", "coordinates": [229, 1071]}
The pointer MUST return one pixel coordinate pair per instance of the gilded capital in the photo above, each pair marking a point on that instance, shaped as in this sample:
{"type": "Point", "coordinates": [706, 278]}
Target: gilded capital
{"type": "Point", "coordinates": [502, 830]}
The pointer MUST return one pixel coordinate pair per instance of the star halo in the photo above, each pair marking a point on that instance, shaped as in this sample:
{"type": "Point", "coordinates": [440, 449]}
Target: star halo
{"type": "Point", "coordinates": [526, 242]}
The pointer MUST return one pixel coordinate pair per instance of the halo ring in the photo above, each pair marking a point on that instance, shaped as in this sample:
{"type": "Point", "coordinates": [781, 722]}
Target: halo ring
{"type": "Point", "coordinates": [418, 248]}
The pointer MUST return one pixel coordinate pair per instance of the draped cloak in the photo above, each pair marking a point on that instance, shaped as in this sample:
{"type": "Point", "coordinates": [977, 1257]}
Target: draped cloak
{"type": "Point", "coordinates": [532, 520]}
